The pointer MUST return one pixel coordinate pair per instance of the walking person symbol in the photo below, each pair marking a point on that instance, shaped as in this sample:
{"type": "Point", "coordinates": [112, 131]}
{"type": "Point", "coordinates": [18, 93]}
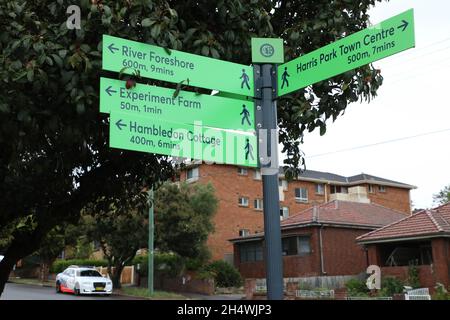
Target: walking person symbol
{"type": "Point", "coordinates": [245, 78]}
{"type": "Point", "coordinates": [248, 150]}
{"type": "Point", "coordinates": [284, 76]}
{"type": "Point", "coordinates": [245, 114]}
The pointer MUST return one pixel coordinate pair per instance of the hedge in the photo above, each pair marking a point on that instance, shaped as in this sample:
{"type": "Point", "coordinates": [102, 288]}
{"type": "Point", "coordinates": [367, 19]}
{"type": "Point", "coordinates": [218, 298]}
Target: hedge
{"type": "Point", "coordinates": [60, 265]}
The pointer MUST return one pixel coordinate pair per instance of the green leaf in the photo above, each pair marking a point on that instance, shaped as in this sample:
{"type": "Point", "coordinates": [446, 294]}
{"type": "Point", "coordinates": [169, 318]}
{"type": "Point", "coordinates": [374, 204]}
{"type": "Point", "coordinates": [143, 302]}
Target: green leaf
{"type": "Point", "coordinates": [58, 60]}
{"type": "Point", "coordinates": [147, 22]}
{"type": "Point", "coordinates": [205, 50]}
{"type": "Point", "coordinates": [30, 75]}
{"type": "Point", "coordinates": [156, 31]}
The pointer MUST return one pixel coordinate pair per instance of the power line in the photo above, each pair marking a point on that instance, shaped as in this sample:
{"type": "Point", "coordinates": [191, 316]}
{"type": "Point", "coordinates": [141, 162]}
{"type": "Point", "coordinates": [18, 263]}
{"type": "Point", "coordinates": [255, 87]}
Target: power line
{"type": "Point", "coordinates": [378, 143]}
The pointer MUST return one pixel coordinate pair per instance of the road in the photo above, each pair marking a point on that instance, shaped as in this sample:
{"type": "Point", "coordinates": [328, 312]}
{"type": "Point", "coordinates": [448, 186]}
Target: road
{"type": "Point", "coordinates": [32, 292]}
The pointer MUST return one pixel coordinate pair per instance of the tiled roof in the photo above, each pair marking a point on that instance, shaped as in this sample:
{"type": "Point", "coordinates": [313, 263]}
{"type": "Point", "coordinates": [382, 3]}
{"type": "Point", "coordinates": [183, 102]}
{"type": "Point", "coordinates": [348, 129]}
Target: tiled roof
{"type": "Point", "coordinates": [339, 213]}
{"type": "Point", "coordinates": [346, 212]}
{"type": "Point", "coordinates": [348, 181]}
{"type": "Point", "coordinates": [433, 222]}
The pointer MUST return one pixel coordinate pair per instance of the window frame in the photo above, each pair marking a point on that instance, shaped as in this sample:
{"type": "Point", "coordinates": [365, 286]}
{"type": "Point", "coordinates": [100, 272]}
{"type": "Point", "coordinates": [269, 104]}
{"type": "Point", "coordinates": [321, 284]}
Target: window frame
{"type": "Point", "coordinates": [381, 188]}
{"type": "Point", "coordinates": [260, 201]}
{"type": "Point", "coordinates": [301, 199]}
{"type": "Point", "coordinates": [242, 171]}
{"type": "Point", "coordinates": [297, 245]}
{"type": "Point", "coordinates": [317, 188]}
{"type": "Point", "coordinates": [243, 205]}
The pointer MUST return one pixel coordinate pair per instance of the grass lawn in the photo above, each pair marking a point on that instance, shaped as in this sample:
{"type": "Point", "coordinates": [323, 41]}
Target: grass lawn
{"type": "Point", "coordinates": [143, 292]}
{"type": "Point", "coordinates": [31, 281]}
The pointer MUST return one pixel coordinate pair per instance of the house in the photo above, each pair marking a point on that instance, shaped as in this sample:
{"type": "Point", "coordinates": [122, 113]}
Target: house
{"type": "Point", "coordinates": [239, 191]}
{"type": "Point", "coordinates": [422, 239]}
{"type": "Point", "coordinates": [319, 241]}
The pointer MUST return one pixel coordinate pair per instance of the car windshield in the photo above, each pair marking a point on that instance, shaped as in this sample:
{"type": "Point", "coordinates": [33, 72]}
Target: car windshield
{"type": "Point", "coordinates": [90, 273]}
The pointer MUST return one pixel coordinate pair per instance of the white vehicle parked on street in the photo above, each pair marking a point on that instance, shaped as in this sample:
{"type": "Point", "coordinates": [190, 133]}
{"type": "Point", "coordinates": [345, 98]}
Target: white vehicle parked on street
{"type": "Point", "coordinates": [82, 280]}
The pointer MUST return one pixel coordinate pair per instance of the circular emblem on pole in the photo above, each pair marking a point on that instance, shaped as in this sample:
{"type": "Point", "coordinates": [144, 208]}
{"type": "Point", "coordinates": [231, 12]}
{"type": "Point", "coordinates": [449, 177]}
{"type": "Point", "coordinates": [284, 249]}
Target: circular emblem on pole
{"type": "Point", "coordinates": [267, 50]}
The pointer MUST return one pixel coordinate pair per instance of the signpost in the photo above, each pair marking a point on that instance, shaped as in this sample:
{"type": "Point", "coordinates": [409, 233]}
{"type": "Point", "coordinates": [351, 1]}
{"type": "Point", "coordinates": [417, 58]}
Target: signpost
{"type": "Point", "coordinates": [150, 119]}
{"type": "Point", "coordinates": [379, 41]}
{"type": "Point", "coordinates": [133, 132]}
{"type": "Point", "coordinates": [187, 107]}
{"type": "Point", "coordinates": [176, 66]}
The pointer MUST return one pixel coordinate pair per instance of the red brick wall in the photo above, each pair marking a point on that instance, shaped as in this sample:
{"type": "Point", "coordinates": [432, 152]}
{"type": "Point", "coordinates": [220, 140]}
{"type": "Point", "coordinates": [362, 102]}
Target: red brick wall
{"type": "Point", "coordinates": [394, 198]}
{"type": "Point", "coordinates": [341, 255]}
{"type": "Point", "coordinates": [230, 217]}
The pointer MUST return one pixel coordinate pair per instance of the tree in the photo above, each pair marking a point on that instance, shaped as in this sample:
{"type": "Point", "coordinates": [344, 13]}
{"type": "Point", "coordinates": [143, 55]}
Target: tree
{"type": "Point", "coordinates": [120, 228]}
{"type": "Point", "coordinates": [183, 219]}
{"type": "Point", "coordinates": [442, 197]}
{"type": "Point", "coordinates": [55, 153]}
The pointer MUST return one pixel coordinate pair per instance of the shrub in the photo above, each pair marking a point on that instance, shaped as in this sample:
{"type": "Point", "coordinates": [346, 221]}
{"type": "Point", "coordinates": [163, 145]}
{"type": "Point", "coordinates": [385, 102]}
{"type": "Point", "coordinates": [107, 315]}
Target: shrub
{"type": "Point", "coordinates": [225, 275]}
{"type": "Point", "coordinates": [391, 286]}
{"type": "Point", "coordinates": [356, 288]}
{"type": "Point", "coordinates": [164, 264]}
{"type": "Point", "coordinates": [60, 265]}
{"type": "Point", "coordinates": [413, 275]}
{"type": "Point", "coordinates": [441, 293]}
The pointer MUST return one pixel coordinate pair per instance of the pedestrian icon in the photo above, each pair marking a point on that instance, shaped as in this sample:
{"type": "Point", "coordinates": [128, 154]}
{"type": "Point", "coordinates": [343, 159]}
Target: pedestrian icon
{"type": "Point", "coordinates": [248, 150]}
{"type": "Point", "coordinates": [245, 115]}
{"type": "Point", "coordinates": [284, 76]}
{"type": "Point", "coordinates": [245, 78]}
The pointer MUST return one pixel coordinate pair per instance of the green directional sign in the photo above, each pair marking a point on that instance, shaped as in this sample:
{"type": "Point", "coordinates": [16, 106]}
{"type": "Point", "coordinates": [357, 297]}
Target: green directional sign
{"type": "Point", "coordinates": [186, 107]}
{"type": "Point", "coordinates": [176, 66]}
{"type": "Point", "coordinates": [133, 132]}
{"type": "Point", "coordinates": [379, 41]}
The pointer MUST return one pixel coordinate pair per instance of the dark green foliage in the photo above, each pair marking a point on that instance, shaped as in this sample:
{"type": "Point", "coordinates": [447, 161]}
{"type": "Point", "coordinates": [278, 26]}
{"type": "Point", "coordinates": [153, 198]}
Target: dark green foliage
{"type": "Point", "coordinates": [183, 219]}
{"type": "Point", "coordinates": [442, 197]}
{"type": "Point", "coordinates": [224, 274]}
{"type": "Point", "coordinates": [357, 288]}
{"type": "Point", "coordinates": [60, 265]}
{"type": "Point", "coordinates": [413, 275]}
{"type": "Point", "coordinates": [391, 286]}
{"type": "Point", "coordinates": [441, 293]}
{"type": "Point", "coordinates": [165, 264]}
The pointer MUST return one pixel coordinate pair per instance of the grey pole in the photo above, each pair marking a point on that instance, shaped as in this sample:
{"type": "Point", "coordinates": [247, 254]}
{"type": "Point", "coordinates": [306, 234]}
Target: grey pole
{"type": "Point", "coordinates": [268, 143]}
{"type": "Point", "coordinates": [151, 231]}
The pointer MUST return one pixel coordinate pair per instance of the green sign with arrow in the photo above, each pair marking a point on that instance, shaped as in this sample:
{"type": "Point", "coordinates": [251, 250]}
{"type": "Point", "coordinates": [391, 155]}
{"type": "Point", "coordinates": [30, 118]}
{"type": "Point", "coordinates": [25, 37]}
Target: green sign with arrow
{"type": "Point", "coordinates": [379, 41]}
{"type": "Point", "coordinates": [187, 107]}
{"type": "Point", "coordinates": [134, 132]}
{"type": "Point", "coordinates": [176, 66]}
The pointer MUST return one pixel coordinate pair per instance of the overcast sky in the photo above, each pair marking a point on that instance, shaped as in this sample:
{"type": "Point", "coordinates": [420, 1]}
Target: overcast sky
{"type": "Point", "coordinates": [412, 101]}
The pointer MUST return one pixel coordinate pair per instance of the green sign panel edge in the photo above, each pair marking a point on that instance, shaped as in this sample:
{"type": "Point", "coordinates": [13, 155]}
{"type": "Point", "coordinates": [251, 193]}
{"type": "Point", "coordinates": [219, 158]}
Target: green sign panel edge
{"type": "Point", "coordinates": [152, 135]}
{"type": "Point", "coordinates": [156, 63]}
{"type": "Point", "coordinates": [361, 48]}
{"type": "Point", "coordinates": [188, 107]}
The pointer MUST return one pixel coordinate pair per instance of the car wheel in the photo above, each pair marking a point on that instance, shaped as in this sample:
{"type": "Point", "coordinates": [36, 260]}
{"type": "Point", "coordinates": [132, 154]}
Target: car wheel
{"type": "Point", "coordinates": [58, 287]}
{"type": "Point", "coordinates": [77, 291]}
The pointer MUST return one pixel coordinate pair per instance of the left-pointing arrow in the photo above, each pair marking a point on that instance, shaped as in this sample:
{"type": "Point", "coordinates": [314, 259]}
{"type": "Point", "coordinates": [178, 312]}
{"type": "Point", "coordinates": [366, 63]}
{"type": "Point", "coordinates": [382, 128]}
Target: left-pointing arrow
{"type": "Point", "coordinates": [112, 48]}
{"type": "Point", "coordinates": [119, 124]}
{"type": "Point", "coordinates": [109, 91]}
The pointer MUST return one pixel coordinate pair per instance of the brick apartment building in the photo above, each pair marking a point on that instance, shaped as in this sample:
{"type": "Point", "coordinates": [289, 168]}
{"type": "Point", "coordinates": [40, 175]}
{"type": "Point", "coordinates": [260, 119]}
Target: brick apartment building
{"type": "Point", "coordinates": [239, 191]}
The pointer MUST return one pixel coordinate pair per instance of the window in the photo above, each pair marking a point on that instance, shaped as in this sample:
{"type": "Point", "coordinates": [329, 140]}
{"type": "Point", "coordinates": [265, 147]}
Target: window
{"type": "Point", "coordinates": [382, 188]}
{"type": "Point", "coordinates": [242, 171]}
{"type": "Point", "coordinates": [258, 204]}
{"type": "Point", "coordinates": [243, 201]}
{"type": "Point", "coordinates": [301, 194]}
{"type": "Point", "coordinates": [90, 273]}
{"type": "Point", "coordinates": [283, 183]}
{"type": "Point", "coordinates": [244, 232]}
{"type": "Point", "coordinates": [371, 188]}
{"type": "Point", "coordinates": [296, 246]}
{"type": "Point", "coordinates": [192, 174]}
{"type": "Point", "coordinates": [250, 252]}
{"type": "Point", "coordinates": [257, 175]}
{"type": "Point", "coordinates": [320, 188]}
{"type": "Point", "coordinates": [284, 212]}
{"type": "Point", "coordinates": [338, 189]}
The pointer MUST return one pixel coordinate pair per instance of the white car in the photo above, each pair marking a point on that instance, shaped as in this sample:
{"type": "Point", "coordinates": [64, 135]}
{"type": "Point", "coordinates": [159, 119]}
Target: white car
{"type": "Point", "coordinates": [83, 280]}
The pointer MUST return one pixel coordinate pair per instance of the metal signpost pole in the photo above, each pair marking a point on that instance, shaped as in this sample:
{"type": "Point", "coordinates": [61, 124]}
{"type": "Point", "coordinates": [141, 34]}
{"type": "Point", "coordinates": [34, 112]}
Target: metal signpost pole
{"type": "Point", "coordinates": [150, 240]}
{"type": "Point", "coordinates": [269, 170]}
